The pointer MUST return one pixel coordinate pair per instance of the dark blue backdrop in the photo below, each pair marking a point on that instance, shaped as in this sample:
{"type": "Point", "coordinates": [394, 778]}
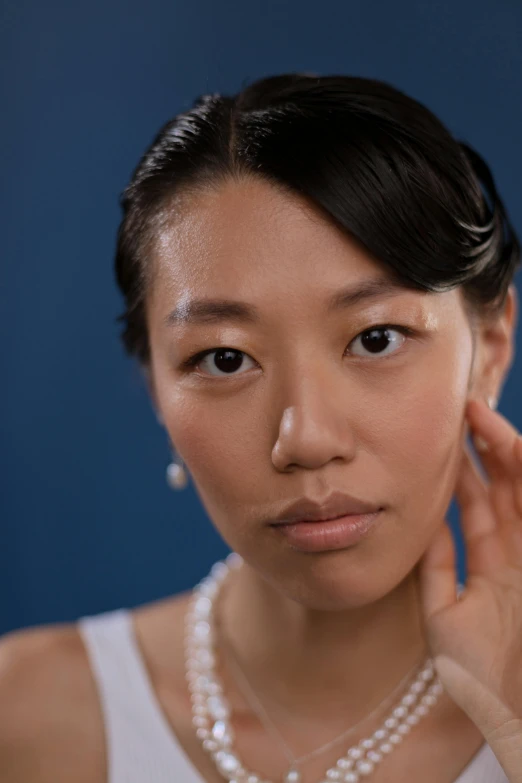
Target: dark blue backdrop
{"type": "Point", "coordinates": [87, 520]}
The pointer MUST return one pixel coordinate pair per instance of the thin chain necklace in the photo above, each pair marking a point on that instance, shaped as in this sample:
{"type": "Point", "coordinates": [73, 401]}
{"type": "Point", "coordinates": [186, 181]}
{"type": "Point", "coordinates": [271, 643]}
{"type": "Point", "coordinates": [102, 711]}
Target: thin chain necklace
{"type": "Point", "coordinates": [211, 710]}
{"type": "Point", "coordinates": [270, 727]}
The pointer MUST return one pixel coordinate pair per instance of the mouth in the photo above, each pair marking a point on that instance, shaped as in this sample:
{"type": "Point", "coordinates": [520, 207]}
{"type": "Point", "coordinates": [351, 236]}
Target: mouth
{"type": "Point", "coordinates": [329, 534]}
{"type": "Point", "coordinates": [337, 504]}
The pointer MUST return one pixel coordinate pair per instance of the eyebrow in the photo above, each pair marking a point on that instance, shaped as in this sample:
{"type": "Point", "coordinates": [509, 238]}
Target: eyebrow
{"type": "Point", "coordinates": [217, 310]}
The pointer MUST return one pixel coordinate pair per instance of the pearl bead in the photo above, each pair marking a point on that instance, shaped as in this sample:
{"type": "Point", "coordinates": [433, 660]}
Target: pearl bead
{"type": "Point", "coordinates": [293, 776]}
{"type": "Point", "coordinates": [391, 723]}
{"type": "Point", "coordinates": [176, 476]}
{"type": "Point", "coordinates": [351, 777]}
{"type": "Point", "coordinates": [345, 763]}
{"type": "Point", "coordinates": [367, 743]}
{"type": "Point", "coordinates": [199, 684]}
{"type": "Point", "coordinates": [222, 732]}
{"type": "Point", "coordinates": [380, 734]}
{"type": "Point", "coordinates": [205, 659]}
{"type": "Point", "coordinates": [365, 767]}
{"type": "Point", "coordinates": [201, 630]}
{"type": "Point", "coordinates": [386, 747]}
{"type": "Point", "coordinates": [208, 587]}
{"type": "Point", "coordinates": [219, 571]}
{"type": "Point", "coordinates": [404, 728]}
{"type": "Point", "coordinates": [355, 753]}
{"type": "Point", "coordinates": [234, 560]}
{"type": "Point", "coordinates": [196, 684]}
{"type": "Point", "coordinates": [395, 738]}
{"type": "Point", "coordinates": [218, 708]}
{"type": "Point", "coordinates": [334, 774]}
{"type": "Point", "coordinates": [227, 762]}
{"type": "Point", "coordinates": [375, 756]}
{"type": "Point", "coordinates": [409, 700]}
{"type": "Point", "coordinates": [400, 712]}
{"type": "Point", "coordinates": [202, 606]}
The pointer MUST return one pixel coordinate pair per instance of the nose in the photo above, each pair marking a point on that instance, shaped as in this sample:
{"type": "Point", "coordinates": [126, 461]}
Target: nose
{"type": "Point", "coordinates": [315, 427]}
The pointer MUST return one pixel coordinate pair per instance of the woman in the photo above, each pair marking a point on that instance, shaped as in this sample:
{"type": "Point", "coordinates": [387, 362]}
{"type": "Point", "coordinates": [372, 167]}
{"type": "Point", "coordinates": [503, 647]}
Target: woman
{"type": "Point", "coordinates": [353, 263]}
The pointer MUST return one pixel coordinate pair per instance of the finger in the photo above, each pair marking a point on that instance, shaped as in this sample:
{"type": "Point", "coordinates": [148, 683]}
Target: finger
{"type": "Point", "coordinates": [504, 503]}
{"type": "Point", "coordinates": [498, 443]}
{"type": "Point", "coordinates": [472, 495]}
{"type": "Point", "coordinates": [505, 493]}
{"type": "Point", "coordinates": [484, 546]}
{"type": "Point", "coordinates": [503, 463]}
{"type": "Point", "coordinates": [437, 573]}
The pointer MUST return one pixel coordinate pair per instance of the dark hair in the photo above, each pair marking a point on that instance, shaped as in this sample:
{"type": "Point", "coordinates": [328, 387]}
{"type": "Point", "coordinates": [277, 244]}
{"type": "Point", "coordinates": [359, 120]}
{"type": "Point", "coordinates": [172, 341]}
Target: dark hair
{"type": "Point", "coordinates": [378, 162]}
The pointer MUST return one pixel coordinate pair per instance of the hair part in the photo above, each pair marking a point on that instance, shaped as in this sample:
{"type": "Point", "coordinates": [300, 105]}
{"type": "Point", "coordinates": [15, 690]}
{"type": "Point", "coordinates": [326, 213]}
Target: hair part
{"type": "Point", "coordinates": [378, 162]}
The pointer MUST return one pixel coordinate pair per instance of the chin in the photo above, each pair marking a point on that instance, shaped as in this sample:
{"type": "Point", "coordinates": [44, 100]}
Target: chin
{"type": "Point", "coordinates": [335, 580]}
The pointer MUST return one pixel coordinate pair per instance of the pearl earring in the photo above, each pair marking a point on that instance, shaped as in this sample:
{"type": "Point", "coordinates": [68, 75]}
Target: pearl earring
{"type": "Point", "coordinates": [177, 477]}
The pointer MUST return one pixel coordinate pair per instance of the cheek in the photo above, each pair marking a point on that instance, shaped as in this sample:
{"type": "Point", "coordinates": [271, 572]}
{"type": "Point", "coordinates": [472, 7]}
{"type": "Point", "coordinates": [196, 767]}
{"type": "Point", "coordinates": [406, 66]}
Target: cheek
{"type": "Point", "coordinates": [425, 440]}
{"type": "Point", "coordinates": [222, 452]}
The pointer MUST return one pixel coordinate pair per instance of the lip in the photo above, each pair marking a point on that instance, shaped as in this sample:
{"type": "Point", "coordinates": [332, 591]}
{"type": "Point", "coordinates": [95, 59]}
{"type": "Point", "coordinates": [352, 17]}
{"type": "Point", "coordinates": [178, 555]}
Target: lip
{"type": "Point", "coordinates": [331, 534]}
{"type": "Point", "coordinates": [337, 504]}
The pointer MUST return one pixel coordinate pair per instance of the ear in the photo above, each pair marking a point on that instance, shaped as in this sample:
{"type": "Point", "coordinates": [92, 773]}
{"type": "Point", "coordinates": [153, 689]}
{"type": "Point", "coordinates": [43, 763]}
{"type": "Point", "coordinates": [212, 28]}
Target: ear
{"type": "Point", "coordinates": [149, 382]}
{"type": "Point", "coordinates": [495, 348]}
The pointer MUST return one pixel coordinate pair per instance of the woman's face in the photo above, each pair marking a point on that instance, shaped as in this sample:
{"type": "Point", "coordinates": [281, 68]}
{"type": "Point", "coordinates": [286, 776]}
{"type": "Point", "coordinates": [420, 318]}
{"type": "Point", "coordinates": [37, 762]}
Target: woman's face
{"type": "Point", "coordinates": [305, 406]}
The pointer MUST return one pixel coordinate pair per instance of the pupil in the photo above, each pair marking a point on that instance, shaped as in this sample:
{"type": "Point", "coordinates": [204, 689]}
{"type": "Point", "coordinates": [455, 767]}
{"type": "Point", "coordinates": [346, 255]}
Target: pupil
{"type": "Point", "coordinates": [232, 361]}
{"type": "Point", "coordinates": [374, 340]}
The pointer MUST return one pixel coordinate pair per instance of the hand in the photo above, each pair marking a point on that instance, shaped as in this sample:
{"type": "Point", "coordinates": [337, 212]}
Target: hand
{"type": "Point", "coordinates": [476, 638]}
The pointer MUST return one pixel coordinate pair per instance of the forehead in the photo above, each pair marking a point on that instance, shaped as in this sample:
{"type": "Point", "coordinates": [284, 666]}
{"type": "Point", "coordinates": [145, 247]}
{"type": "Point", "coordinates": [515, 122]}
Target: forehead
{"type": "Point", "coordinates": [248, 235]}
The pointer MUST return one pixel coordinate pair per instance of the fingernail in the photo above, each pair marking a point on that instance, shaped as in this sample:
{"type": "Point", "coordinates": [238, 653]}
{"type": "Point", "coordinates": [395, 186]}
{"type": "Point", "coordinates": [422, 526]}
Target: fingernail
{"type": "Point", "coordinates": [479, 443]}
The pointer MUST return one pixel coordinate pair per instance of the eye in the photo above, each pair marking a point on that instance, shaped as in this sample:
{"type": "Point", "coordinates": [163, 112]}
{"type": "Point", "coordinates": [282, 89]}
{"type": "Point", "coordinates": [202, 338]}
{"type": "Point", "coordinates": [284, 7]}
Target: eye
{"type": "Point", "coordinates": [226, 360]}
{"type": "Point", "coordinates": [379, 338]}
{"type": "Point", "coordinates": [376, 340]}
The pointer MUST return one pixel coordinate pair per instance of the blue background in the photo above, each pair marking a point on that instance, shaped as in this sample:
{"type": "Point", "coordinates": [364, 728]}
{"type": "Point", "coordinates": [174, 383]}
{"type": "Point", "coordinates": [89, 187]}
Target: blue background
{"type": "Point", "coordinates": [87, 520]}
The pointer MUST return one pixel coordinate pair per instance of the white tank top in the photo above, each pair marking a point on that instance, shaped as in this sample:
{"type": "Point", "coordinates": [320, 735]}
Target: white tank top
{"type": "Point", "coordinates": [141, 745]}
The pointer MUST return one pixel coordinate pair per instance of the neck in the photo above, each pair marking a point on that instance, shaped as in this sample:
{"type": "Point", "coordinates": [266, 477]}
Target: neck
{"type": "Point", "coordinates": [306, 662]}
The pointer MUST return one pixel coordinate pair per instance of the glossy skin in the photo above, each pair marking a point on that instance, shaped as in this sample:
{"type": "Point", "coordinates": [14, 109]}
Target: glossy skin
{"type": "Point", "coordinates": [324, 636]}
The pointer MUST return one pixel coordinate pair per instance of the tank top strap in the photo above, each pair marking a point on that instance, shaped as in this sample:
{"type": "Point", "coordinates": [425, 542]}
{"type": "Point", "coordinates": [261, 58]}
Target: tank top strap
{"type": "Point", "coordinates": [140, 743]}
{"type": "Point", "coordinates": [141, 747]}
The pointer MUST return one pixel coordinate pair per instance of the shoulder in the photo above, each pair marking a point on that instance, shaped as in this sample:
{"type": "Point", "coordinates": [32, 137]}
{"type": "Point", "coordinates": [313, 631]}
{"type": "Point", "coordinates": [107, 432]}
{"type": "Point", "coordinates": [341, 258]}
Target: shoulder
{"type": "Point", "coordinates": [51, 728]}
{"type": "Point", "coordinates": [51, 723]}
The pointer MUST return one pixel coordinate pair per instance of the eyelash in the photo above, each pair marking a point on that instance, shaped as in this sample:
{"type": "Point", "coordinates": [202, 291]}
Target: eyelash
{"type": "Point", "coordinates": [194, 360]}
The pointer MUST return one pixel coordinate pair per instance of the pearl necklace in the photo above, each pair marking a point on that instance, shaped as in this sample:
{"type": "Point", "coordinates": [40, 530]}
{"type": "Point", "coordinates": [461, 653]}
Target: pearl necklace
{"type": "Point", "coordinates": [211, 711]}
